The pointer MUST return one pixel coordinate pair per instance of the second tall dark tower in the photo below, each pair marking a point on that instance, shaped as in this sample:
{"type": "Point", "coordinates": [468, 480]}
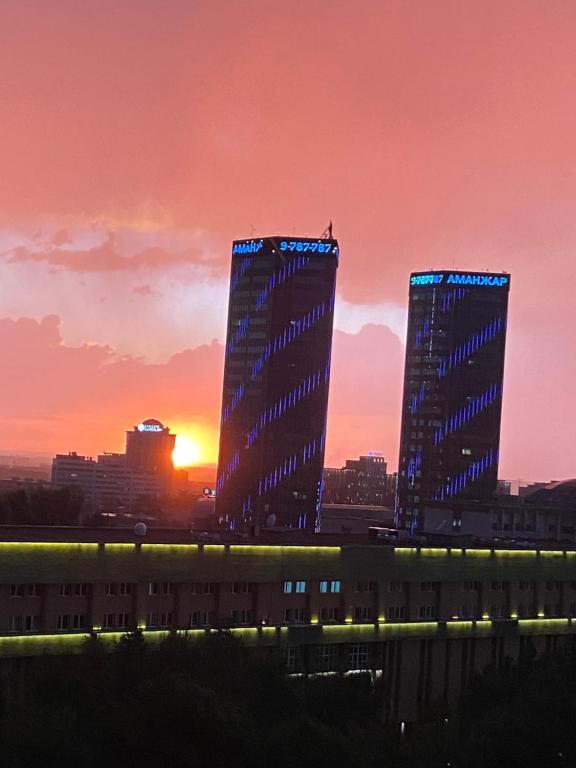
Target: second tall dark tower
{"type": "Point", "coordinates": [276, 377]}
{"type": "Point", "coordinates": [452, 404]}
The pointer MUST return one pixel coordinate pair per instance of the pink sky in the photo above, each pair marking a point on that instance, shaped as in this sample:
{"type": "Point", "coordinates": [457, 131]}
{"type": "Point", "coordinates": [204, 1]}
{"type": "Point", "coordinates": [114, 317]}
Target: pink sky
{"type": "Point", "coordinates": [137, 138]}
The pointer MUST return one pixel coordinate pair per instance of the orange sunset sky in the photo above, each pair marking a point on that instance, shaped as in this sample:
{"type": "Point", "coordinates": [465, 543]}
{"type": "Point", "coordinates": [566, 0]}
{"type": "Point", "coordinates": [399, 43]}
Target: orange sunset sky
{"type": "Point", "coordinates": [139, 137]}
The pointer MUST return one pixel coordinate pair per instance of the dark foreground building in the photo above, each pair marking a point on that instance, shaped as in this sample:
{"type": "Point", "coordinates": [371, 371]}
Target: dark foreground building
{"type": "Point", "coordinates": [425, 618]}
{"type": "Point", "coordinates": [276, 375]}
{"type": "Point", "coordinates": [452, 403]}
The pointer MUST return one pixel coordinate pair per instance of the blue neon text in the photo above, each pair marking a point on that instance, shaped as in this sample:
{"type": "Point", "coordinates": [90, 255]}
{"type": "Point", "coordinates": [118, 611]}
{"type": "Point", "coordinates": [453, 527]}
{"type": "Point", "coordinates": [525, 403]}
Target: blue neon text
{"type": "Point", "coordinates": [460, 279]}
{"type": "Point", "coordinates": [251, 246]}
{"type": "Point", "coordinates": [314, 246]}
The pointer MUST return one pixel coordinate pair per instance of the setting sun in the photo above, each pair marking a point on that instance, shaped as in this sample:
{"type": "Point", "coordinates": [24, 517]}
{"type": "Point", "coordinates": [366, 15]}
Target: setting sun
{"type": "Point", "coordinates": [188, 451]}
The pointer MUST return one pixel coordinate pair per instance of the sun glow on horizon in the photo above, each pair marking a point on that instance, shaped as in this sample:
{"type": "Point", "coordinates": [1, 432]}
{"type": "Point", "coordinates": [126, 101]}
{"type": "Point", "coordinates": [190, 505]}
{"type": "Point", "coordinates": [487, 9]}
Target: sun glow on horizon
{"type": "Point", "coordinates": [188, 451]}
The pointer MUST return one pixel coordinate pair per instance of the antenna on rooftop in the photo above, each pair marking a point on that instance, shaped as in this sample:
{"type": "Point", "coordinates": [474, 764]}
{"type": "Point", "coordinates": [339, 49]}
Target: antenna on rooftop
{"type": "Point", "coordinates": [327, 234]}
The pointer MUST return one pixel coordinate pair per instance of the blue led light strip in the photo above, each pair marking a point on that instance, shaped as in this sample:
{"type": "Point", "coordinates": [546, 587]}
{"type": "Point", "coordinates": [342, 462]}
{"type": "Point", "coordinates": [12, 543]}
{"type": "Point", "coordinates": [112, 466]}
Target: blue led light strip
{"type": "Point", "coordinates": [413, 466]}
{"type": "Point", "coordinates": [417, 398]}
{"type": "Point", "coordinates": [448, 301]}
{"type": "Point", "coordinates": [294, 329]}
{"type": "Point", "coordinates": [305, 388]}
{"type": "Point", "coordinates": [229, 470]}
{"type": "Point", "coordinates": [471, 345]}
{"type": "Point", "coordinates": [468, 412]}
{"type": "Point", "coordinates": [244, 265]}
{"type": "Point", "coordinates": [238, 335]}
{"type": "Point", "coordinates": [279, 277]}
{"type": "Point", "coordinates": [290, 464]}
{"type": "Point", "coordinates": [469, 475]}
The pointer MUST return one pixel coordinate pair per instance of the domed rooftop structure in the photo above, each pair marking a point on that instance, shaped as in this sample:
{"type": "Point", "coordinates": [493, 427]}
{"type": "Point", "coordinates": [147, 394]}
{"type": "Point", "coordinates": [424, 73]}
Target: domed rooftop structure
{"type": "Point", "coordinates": [558, 494]}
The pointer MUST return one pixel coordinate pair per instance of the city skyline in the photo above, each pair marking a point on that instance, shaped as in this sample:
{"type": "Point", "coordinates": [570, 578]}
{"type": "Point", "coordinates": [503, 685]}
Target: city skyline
{"type": "Point", "coordinates": [431, 138]}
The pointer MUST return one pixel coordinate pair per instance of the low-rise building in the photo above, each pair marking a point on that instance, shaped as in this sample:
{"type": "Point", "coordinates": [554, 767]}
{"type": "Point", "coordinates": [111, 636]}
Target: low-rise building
{"type": "Point", "coordinates": [425, 618]}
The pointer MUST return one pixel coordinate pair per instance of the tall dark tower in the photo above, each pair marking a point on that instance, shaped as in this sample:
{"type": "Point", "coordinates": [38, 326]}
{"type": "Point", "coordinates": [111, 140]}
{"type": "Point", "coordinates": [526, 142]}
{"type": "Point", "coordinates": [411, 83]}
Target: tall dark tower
{"type": "Point", "coordinates": [452, 403]}
{"type": "Point", "coordinates": [276, 376]}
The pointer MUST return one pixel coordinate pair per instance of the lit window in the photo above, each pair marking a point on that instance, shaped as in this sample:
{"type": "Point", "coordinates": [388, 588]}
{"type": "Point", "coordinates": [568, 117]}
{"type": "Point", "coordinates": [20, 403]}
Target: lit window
{"type": "Point", "coordinates": [335, 586]}
{"type": "Point", "coordinates": [287, 587]}
{"type": "Point", "coordinates": [323, 587]}
{"type": "Point", "coordinates": [300, 587]}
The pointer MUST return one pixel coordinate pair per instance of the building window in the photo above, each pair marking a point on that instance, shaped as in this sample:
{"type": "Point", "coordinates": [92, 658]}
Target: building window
{"type": "Point", "coordinates": [203, 588]}
{"type": "Point", "coordinates": [242, 616]}
{"type": "Point", "coordinates": [358, 656]}
{"type": "Point", "coordinates": [552, 586]}
{"type": "Point", "coordinates": [78, 590]}
{"type": "Point", "coordinates": [365, 586]}
{"type": "Point", "coordinates": [31, 623]}
{"type": "Point", "coordinates": [123, 620]}
{"type": "Point", "coordinates": [330, 586]}
{"type": "Point", "coordinates": [498, 586]}
{"type": "Point", "coordinates": [125, 589]}
{"type": "Point", "coordinates": [293, 659]}
{"type": "Point", "coordinates": [427, 612]}
{"type": "Point", "coordinates": [524, 585]}
{"type": "Point", "coordinates": [153, 588]}
{"type": "Point", "coordinates": [63, 622]}
{"type": "Point", "coordinates": [499, 612]}
{"type": "Point", "coordinates": [24, 623]}
{"type": "Point", "coordinates": [201, 618]}
{"type": "Point", "coordinates": [78, 621]}
{"type": "Point", "coordinates": [32, 590]}
{"type": "Point", "coordinates": [109, 621]}
{"type": "Point", "coordinates": [552, 609]}
{"type": "Point", "coordinates": [16, 590]}
{"type": "Point", "coordinates": [525, 610]}
{"type": "Point", "coordinates": [287, 587]}
{"type": "Point", "coordinates": [326, 658]}
{"type": "Point", "coordinates": [468, 612]}
{"type": "Point", "coordinates": [394, 586]}
{"type": "Point", "coordinates": [331, 613]}
{"type": "Point", "coordinates": [428, 586]}
{"type": "Point", "coordinates": [242, 587]}
{"type": "Point", "coordinates": [168, 588]}
{"type": "Point", "coordinates": [110, 590]}
{"type": "Point", "coordinates": [471, 586]}
{"type": "Point", "coordinates": [152, 620]}
{"type": "Point", "coordinates": [362, 613]}
{"type": "Point", "coordinates": [395, 612]}
{"type": "Point", "coordinates": [300, 587]}
{"type": "Point", "coordinates": [166, 619]}
{"type": "Point", "coordinates": [293, 616]}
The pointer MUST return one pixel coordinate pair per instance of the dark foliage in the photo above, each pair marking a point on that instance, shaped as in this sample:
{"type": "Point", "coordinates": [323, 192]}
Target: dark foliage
{"type": "Point", "coordinates": [215, 704]}
{"type": "Point", "coordinates": [41, 507]}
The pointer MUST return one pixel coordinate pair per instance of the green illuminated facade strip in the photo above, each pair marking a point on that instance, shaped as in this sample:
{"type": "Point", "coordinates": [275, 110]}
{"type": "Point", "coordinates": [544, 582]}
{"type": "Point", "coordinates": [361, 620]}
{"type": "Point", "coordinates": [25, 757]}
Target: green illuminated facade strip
{"type": "Point", "coordinates": [59, 644]}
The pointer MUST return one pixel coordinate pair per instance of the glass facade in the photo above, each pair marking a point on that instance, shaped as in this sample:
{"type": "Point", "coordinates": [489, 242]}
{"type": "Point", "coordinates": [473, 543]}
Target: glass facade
{"type": "Point", "coordinates": [452, 400]}
{"type": "Point", "coordinates": [276, 377]}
